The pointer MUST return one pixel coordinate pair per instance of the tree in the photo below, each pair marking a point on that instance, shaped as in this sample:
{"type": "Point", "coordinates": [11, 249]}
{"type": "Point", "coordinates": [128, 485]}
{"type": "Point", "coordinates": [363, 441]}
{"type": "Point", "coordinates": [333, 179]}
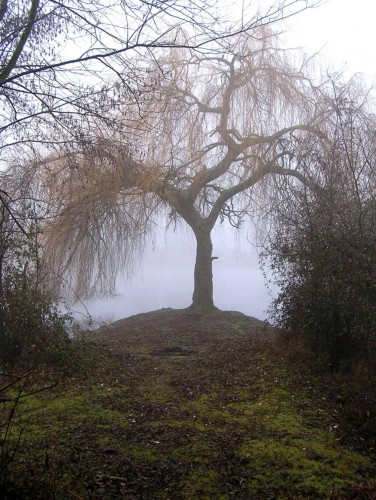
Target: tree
{"type": "Point", "coordinates": [322, 246]}
{"type": "Point", "coordinates": [57, 61]}
{"type": "Point", "coordinates": [57, 58]}
{"type": "Point", "coordinates": [212, 129]}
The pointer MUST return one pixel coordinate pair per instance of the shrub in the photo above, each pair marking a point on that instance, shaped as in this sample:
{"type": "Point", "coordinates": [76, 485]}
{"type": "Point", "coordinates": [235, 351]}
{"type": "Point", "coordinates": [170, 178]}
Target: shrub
{"type": "Point", "coordinates": [326, 271]}
{"type": "Point", "coordinates": [32, 327]}
{"type": "Point", "coordinates": [322, 249]}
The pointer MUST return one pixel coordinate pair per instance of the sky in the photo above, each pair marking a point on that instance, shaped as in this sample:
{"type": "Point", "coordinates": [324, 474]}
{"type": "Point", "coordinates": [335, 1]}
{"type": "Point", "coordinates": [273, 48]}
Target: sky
{"type": "Point", "coordinates": [343, 31]}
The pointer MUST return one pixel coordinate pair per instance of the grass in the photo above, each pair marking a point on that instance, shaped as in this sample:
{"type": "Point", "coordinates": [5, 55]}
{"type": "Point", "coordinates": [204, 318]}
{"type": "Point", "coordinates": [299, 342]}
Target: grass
{"type": "Point", "coordinates": [183, 406]}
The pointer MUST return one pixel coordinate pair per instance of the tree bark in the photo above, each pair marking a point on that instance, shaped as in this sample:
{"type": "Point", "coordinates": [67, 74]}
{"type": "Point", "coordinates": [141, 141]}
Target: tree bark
{"type": "Point", "coordinates": [202, 300]}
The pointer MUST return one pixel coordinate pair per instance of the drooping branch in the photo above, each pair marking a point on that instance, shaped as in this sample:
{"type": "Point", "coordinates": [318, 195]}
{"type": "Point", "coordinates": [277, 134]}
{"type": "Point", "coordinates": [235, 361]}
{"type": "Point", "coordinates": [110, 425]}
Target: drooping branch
{"type": "Point", "coordinates": [194, 148]}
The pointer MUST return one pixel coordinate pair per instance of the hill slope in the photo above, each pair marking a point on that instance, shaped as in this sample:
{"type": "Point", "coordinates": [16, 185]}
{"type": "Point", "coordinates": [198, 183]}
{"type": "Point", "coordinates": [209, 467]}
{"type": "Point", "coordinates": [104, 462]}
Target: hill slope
{"type": "Point", "coordinates": [176, 406]}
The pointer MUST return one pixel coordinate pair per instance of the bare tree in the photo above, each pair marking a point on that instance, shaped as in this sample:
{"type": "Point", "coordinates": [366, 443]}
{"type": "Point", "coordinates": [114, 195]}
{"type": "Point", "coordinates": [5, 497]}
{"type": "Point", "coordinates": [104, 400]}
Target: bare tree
{"type": "Point", "coordinates": [212, 136]}
{"type": "Point", "coordinates": [59, 60]}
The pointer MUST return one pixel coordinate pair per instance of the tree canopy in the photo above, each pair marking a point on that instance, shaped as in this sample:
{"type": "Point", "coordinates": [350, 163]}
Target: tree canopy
{"type": "Point", "coordinates": [213, 138]}
{"type": "Point", "coordinates": [65, 65]}
{"type": "Point", "coordinates": [62, 63]}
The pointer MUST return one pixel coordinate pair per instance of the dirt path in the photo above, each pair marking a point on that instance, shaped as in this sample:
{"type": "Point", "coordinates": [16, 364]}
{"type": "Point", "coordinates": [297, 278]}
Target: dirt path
{"type": "Point", "coordinates": [180, 406]}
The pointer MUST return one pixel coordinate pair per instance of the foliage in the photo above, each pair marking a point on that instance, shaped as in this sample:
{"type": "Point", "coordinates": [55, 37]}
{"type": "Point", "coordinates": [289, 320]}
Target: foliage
{"type": "Point", "coordinates": [322, 249]}
{"type": "Point", "coordinates": [327, 283]}
{"type": "Point", "coordinates": [32, 327]}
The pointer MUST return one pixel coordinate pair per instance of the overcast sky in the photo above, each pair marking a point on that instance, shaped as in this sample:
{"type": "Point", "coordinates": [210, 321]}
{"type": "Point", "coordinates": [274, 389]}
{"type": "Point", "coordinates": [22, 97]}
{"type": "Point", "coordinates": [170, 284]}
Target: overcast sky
{"type": "Point", "coordinates": [344, 31]}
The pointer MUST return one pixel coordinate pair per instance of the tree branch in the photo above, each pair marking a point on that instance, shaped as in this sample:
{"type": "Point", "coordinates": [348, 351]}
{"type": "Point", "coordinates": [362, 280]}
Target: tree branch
{"type": "Point", "coordinates": [3, 9]}
{"type": "Point", "coordinates": [21, 43]}
{"type": "Point", "coordinates": [265, 169]}
{"type": "Point", "coordinates": [10, 211]}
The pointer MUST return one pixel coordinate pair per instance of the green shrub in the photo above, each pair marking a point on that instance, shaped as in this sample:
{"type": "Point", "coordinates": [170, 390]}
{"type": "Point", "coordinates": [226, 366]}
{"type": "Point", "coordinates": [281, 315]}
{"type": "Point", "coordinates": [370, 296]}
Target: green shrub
{"type": "Point", "coordinates": [32, 326]}
{"type": "Point", "coordinates": [325, 265]}
{"type": "Point", "coordinates": [322, 250]}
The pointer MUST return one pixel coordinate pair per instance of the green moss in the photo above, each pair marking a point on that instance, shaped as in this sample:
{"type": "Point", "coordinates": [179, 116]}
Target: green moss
{"type": "Point", "coordinates": [66, 410]}
{"type": "Point", "coordinates": [222, 423]}
{"type": "Point", "coordinates": [157, 390]}
{"type": "Point", "coordinates": [148, 453]}
{"type": "Point", "coordinates": [203, 483]}
{"type": "Point", "coordinates": [315, 465]}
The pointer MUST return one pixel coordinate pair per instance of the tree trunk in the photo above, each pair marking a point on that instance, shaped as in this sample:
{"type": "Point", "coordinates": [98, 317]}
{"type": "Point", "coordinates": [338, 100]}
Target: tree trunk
{"type": "Point", "coordinates": [202, 300]}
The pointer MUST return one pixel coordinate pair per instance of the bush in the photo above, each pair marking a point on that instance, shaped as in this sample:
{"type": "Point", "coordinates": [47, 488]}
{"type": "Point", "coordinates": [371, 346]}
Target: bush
{"type": "Point", "coordinates": [32, 327]}
{"type": "Point", "coordinates": [326, 271]}
{"type": "Point", "coordinates": [322, 250]}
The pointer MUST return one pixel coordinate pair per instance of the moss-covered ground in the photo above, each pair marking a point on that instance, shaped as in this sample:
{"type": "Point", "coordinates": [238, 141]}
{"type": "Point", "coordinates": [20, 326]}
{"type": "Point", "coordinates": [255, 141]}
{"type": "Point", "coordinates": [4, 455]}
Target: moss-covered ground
{"type": "Point", "coordinates": [180, 406]}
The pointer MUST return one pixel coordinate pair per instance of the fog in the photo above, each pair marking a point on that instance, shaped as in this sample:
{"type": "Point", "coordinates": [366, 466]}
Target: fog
{"type": "Point", "coordinates": [164, 277]}
{"type": "Point", "coordinates": [343, 32]}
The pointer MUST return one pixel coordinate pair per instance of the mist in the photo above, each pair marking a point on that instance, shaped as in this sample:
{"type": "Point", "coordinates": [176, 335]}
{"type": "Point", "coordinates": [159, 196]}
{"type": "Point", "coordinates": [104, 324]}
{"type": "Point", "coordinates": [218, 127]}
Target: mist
{"type": "Point", "coordinates": [164, 277]}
